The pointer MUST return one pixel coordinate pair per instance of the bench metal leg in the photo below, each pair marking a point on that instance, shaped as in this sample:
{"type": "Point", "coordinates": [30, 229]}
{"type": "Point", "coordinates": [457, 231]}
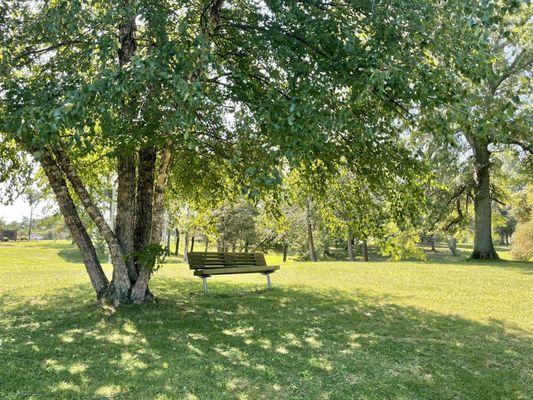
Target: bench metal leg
{"type": "Point", "coordinates": [269, 284]}
{"type": "Point", "coordinates": [204, 279]}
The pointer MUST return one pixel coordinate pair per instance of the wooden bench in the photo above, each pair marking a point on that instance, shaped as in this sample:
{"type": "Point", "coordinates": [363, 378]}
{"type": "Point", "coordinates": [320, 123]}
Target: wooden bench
{"type": "Point", "coordinates": [212, 263]}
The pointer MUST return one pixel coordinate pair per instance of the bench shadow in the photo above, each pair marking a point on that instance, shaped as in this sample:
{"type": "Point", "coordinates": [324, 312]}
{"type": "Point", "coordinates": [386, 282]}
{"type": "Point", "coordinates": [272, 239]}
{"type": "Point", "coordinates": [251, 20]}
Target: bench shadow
{"type": "Point", "coordinates": [288, 343]}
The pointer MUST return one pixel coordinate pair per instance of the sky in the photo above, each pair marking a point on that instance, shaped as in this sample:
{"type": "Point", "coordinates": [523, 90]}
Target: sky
{"type": "Point", "coordinates": [15, 212]}
{"type": "Point", "coordinates": [20, 209]}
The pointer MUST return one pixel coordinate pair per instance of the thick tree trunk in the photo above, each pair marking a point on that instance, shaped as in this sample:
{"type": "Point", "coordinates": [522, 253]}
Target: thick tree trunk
{"type": "Point", "coordinates": [365, 250]}
{"type": "Point", "coordinates": [140, 291]}
{"type": "Point", "coordinates": [483, 244]}
{"type": "Point", "coordinates": [177, 249]}
{"type": "Point", "coordinates": [75, 225]}
{"type": "Point", "coordinates": [120, 284]}
{"type": "Point", "coordinates": [145, 196]}
{"type": "Point", "coordinates": [350, 247]}
{"type": "Point", "coordinates": [143, 221]}
{"type": "Point", "coordinates": [125, 218]}
{"type": "Point", "coordinates": [285, 251]}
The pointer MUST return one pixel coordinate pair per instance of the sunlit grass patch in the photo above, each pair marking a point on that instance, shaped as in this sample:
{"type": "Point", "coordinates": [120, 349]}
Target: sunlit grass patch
{"type": "Point", "coordinates": [338, 330]}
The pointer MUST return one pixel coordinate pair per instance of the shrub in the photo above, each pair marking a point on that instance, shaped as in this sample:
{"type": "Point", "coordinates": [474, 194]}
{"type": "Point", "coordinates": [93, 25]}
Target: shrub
{"type": "Point", "coordinates": [6, 239]}
{"type": "Point", "coordinates": [522, 241]}
{"type": "Point", "coordinates": [23, 238]}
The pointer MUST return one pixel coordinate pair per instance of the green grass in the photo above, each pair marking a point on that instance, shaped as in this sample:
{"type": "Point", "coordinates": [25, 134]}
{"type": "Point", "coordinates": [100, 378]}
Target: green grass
{"type": "Point", "coordinates": [445, 329]}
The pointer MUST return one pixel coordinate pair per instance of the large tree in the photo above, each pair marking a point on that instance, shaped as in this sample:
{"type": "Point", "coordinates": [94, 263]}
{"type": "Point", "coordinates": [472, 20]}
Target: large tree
{"type": "Point", "coordinates": [483, 61]}
{"type": "Point", "coordinates": [252, 85]}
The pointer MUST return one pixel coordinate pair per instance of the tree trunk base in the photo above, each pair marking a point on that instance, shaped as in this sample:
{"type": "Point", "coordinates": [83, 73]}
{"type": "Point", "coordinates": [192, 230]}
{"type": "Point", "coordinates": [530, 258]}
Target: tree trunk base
{"type": "Point", "coordinates": [114, 298]}
{"type": "Point", "coordinates": [484, 255]}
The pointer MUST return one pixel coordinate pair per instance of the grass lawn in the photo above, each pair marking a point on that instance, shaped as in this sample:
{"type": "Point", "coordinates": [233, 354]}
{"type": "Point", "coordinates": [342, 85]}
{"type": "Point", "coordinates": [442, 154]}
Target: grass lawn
{"type": "Point", "coordinates": [442, 329]}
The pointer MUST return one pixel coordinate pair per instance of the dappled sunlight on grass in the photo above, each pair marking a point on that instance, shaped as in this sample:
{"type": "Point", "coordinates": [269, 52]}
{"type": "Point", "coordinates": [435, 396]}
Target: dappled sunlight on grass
{"type": "Point", "coordinates": [281, 344]}
{"type": "Point", "coordinates": [338, 330]}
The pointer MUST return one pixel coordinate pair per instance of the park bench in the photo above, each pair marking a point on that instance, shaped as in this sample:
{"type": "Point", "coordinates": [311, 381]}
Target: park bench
{"type": "Point", "coordinates": [213, 263]}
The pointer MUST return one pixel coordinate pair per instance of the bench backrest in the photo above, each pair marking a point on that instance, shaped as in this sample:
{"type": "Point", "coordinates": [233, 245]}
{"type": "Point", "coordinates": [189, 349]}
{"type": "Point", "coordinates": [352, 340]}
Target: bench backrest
{"type": "Point", "coordinates": [220, 260]}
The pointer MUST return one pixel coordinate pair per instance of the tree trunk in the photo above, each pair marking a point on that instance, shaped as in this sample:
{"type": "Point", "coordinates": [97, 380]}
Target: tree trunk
{"type": "Point", "coordinates": [452, 245]}
{"type": "Point", "coordinates": [365, 250]}
{"type": "Point", "coordinates": [120, 283]}
{"type": "Point", "coordinates": [167, 247]}
{"type": "Point", "coordinates": [75, 225]}
{"type": "Point", "coordinates": [154, 193]}
{"type": "Point", "coordinates": [350, 246]}
{"type": "Point", "coordinates": [483, 244]}
{"type": "Point", "coordinates": [31, 222]}
{"type": "Point", "coordinates": [310, 239]}
{"type": "Point", "coordinates": [126, 165]}
{"type": "Point", "coordinates": [145, 193]}
{"type": "Point", "coordinates": [144, 221]}
{"type": "Point", "coordinates": [159, 193]}
{"type": "Point", "coordinates": [432, 240]}
{"type": "Point", "coordinates": [285, 251]}
{"type": "Point", "coordinates": [186, 248]}
{"type": "Point", "coordinates": [125, 218]}
{"type": "Point", "coordinates": [192, 243]}
{"type": "Point", "coordinates": [206, 244]}
{"type": "Point", "coordinates": [177, 250]}
{"type": "Point", "coordinates": [311, 242]}
{"type": "Point", "coordinates": [246, 246]}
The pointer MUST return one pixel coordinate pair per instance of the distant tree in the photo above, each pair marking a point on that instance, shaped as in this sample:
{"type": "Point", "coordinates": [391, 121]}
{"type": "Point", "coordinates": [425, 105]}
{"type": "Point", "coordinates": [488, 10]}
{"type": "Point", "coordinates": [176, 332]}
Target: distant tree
{"type": "Point", "coordinates": [522, 239]}
{"type": "Point", "coordinates": [236, 226]}
{"type": "Point", "coordinates": [33, 197]}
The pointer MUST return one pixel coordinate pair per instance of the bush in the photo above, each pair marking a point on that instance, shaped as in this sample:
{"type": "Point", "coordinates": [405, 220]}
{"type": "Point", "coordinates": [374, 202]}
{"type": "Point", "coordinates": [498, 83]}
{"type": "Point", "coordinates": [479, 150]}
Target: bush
{"type": "Point", "coordinates": [23, 238]}
{"type": "Point", "coordinates": [400, 244]}
{"type": "Point", "coordinates": [522, 241]}
{"type": "Point", "coordinates": [6, 239]}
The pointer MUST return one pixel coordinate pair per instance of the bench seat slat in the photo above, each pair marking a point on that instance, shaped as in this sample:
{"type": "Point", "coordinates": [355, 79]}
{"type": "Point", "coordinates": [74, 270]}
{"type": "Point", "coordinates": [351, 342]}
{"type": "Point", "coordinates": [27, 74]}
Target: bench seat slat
{"type": "Point", "coordinates": [235, 270]}
{"type": "Point", "coordinates": [223, 260]}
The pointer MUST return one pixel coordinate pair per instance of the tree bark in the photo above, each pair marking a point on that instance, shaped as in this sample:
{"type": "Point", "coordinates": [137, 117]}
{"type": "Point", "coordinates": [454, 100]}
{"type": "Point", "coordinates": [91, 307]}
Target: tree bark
{"type": "Point", "coordinates": [186, 248]}
{"type": "Point", "coordinates": [432, 240]}
{"type": "Point", "coordinates": [159, 195]}
{"type": "Point", "coordinates": [483, 244]}
{"type": "Point", "coordinates": [31, 222]}
{"type": "Point", "coordinates": [145, 196]}
{"type": "Point", "coordinates": [140, 291]}
{"type": "Point", "coordinates": [285, 251]}
{"type": "Point", "coordinates": [310, 239]}
{"type": "Point", "coordinates": [192, 243]}
{"type": "Point", "coordinates": [120, 283]}
{"type": "Point", "coordinates": [206, 244]}
{"type": "Point", "coordinates": [75, 225]}
{"type": "Point", "coordinates": [177, 249]}
{"type": "Point", "coordinates": [365, 250]}
{"type": "Point", "coordinates": [350, 247]}
{"type": "Point", "coordinates": [167, 247]}
{"type": "Point", "coordinates": [125, 218]}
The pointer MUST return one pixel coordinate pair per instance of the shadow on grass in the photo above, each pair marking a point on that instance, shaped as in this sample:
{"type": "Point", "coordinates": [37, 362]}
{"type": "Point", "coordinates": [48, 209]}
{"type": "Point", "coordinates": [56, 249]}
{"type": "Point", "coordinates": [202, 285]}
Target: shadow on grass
{"type": "Point", "coordinates": [237, 343]}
